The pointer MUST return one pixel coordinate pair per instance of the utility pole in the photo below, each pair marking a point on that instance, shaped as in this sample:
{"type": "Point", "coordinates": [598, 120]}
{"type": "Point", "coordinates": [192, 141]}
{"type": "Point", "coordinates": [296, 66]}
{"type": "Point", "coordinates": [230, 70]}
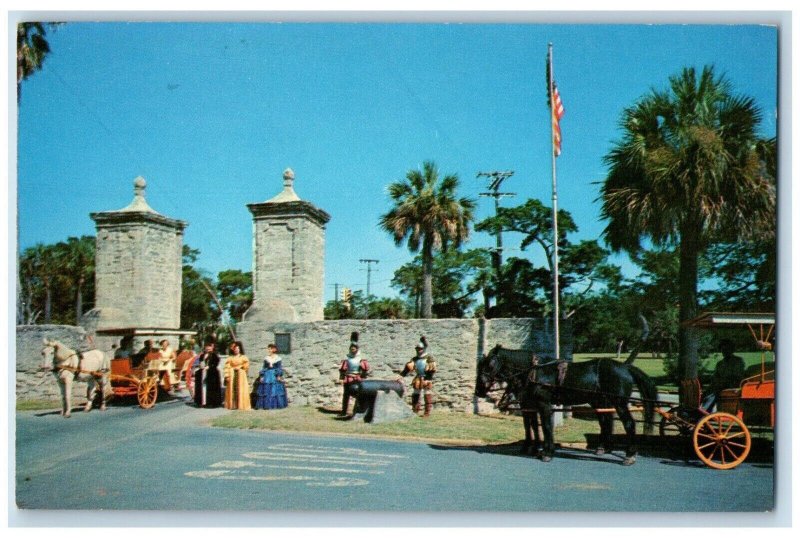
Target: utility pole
{"type": "Point", "coordinates": [496, 179]}
{"type": "Point", "coordinates": [369, 273]}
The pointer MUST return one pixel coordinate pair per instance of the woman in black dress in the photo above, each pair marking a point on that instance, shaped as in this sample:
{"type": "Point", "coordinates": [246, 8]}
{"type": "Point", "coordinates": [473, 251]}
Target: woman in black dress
{"type": "Point", "coordinates": [207, 385]}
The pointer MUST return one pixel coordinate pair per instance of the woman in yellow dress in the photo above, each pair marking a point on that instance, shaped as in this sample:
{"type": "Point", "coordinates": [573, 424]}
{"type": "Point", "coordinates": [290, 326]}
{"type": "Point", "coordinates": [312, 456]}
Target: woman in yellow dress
{"type": "Point", "coordinates": [237, 388]}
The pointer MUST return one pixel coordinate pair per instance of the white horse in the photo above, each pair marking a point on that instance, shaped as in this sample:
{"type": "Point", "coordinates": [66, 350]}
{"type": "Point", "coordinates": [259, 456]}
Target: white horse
{"type": "Point", "coordinates": [67, 364]}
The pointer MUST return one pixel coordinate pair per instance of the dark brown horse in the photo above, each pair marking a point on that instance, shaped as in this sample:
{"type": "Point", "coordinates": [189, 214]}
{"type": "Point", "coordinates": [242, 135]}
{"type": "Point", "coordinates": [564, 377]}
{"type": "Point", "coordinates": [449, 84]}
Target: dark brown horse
{"type": "Point", "coordinates": [601, 383]}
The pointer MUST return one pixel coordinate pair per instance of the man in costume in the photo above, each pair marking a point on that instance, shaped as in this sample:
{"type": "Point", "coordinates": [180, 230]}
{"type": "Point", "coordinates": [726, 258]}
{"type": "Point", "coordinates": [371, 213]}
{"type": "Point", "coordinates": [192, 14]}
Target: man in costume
{"type": "Point", "coordinates": [353, 368]}
{"type": "Point", "coordinates": [424, 367]}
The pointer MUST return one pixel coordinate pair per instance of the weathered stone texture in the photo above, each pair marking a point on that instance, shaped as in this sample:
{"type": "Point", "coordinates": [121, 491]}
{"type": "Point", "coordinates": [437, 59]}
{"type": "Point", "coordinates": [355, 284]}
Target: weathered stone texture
{"type": "Point", "coordinates": [288, 258]}
{"type": "Point", "coordinates": [138, 275]}
{"type": "Point", "coordinates": [318, 348]}
{"type": "Point", "coordinates": [33, 381]}
{"type": "Point", "coordinates": [138, 261]}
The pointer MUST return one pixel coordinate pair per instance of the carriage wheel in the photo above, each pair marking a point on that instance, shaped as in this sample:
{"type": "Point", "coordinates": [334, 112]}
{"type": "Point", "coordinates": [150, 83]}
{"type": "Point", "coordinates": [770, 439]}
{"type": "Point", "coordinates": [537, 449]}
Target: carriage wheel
{"type": "Point", "coordinates": [679, 422]}
{"type": "Point", "coordinates": [148, 392]}
{"type": "Point", "coordinates": [721, 440]}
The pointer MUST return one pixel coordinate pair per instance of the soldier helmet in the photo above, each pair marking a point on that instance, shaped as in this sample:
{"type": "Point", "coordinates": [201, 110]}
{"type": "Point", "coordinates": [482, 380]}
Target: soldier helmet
{"type": "Point", "coordinates": [422, 344]}
{"type": "Point", "coordinates": [354, 338]}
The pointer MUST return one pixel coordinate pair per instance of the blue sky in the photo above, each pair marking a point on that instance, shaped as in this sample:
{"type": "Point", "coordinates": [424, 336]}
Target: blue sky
{"type": "Point", "coordinates": [211, 114]}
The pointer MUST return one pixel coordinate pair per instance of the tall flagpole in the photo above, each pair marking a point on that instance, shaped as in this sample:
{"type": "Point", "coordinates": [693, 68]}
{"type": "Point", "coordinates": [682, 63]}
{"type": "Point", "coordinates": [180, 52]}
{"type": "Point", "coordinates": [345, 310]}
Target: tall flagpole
{"type": "Point", "coordinates": [555, 201]}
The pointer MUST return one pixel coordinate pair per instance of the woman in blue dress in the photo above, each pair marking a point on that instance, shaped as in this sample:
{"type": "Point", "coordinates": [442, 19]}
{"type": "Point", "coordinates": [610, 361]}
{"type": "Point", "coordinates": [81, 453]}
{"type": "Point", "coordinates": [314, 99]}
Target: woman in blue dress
{"type": "Point", "coordinates": [271, 390]}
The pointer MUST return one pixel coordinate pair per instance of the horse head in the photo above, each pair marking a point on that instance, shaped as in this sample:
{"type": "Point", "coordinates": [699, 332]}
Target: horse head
{"type": "Point", "coordinates": [54, 352]}
{"type": "Point", "coordinates": [48, 353]}
{"type": "Point", "coordinates": [486, 373]}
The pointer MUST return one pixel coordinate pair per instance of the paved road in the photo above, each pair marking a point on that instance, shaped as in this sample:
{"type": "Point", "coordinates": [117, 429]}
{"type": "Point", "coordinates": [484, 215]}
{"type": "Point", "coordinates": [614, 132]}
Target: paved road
{"type": "Point", "coordinates": [168, 458]}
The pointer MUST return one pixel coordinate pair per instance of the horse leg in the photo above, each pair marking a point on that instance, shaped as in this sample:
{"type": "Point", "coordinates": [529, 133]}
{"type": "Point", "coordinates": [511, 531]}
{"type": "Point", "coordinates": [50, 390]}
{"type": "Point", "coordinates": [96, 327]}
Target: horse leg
{"type": "Point", "coordinates": [526, 423]}
{"type": "Point", "coordinates": [102, 383]}
{"type": "Point", "coordinates": [65, 384]}
{"type": "Point", "coordinates": [606, 429]}
{"type": "Point", "coordinates": [546, 416]}
{"type": "Point", "coordinates": [537, 440]}
{"type": "Point", "coordinates": [630, 432]}
{"type": "Point", "coordinates": [91, 390]}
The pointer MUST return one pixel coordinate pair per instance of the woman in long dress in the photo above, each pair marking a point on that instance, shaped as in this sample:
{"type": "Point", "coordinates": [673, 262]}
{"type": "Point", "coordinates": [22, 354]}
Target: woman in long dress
{"type": "Point", "coordinates": [207, 386]}
{"type": "Point", "coordinates": [237, 388]}
{"type": "Point", "coordinates": [271, 390]}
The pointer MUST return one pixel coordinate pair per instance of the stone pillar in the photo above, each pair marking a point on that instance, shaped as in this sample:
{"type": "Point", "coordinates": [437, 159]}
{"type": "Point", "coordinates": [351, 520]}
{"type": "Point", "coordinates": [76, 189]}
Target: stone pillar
{"type": "Point", "coordinates": [138, 263]}
{"type": "Point", "coordinates": [288, 258]}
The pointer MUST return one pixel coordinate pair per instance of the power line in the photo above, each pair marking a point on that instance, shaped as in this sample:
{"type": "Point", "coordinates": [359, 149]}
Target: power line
{"type": "Point", "coordinates": [369, 274]}
{"type": "Point", "coordinates": [496, 179]}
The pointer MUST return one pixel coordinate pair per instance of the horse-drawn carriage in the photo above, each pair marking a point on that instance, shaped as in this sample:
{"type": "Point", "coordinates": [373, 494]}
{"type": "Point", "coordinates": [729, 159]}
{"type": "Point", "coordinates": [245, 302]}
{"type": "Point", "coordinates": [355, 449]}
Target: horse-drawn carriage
{"type": "Point", "coordinates": [721, 438]}
{"type": "Point", "coordinates": [146, 379]}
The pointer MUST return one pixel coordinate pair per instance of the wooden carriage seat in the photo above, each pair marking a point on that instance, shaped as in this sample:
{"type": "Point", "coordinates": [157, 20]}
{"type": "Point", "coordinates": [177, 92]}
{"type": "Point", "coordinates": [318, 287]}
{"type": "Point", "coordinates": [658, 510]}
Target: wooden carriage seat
{"type": "Point", "coordinates": [121, 367]}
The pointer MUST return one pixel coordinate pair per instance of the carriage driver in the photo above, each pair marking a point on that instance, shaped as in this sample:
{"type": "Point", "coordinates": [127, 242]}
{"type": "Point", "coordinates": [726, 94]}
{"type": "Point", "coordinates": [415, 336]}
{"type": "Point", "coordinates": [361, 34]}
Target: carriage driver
{"type": "Point", "coordinates": [353, 368]}
{"type": "Point", "coordinates": [423, 366]}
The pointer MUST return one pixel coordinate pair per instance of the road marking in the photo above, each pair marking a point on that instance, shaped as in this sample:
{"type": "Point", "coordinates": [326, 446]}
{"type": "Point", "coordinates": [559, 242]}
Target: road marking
{"type": "Point", "coordinates": [314, 481]}
{"type": "Point", "coordinates": [233, 464]}
{"type": "Point", "coordinates": [321, 459]}
{"type": "Point", "coordinates": [313, 457]}
{"type": "Point", "coordinates": [584, 486]}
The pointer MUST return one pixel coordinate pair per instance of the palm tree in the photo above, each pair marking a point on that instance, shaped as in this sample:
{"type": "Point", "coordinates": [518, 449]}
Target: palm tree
{"type": "Point", "coordinates": [687, 174]}
{"type": "Point", "coordinates": [428, 214]}
{"type": "Point", "coordinates": [78, 264]}
{"type": "Point", "coordinates": [32, 48]}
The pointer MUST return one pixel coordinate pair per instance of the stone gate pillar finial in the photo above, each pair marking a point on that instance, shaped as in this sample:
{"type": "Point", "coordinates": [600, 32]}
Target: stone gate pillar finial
{"type": "Point", "coordinates": [288, 178]}
{"type": "Point", "coordinates": [287, 194]}
{"type": "Point", "coordinates": [139, 185]}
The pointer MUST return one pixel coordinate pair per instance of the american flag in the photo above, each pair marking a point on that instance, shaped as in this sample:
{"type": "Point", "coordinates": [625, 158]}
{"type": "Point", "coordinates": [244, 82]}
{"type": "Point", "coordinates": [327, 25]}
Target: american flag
{"type": "Point", "coordinates": [557, 112]}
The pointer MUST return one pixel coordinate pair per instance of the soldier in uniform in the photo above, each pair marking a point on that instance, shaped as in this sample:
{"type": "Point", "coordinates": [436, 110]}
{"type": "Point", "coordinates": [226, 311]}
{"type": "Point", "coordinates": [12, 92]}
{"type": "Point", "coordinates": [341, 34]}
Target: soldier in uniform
{"type": "Point", "coordinates": [424, 367]}
{"type": "Point", "coordinates": [353, 368]}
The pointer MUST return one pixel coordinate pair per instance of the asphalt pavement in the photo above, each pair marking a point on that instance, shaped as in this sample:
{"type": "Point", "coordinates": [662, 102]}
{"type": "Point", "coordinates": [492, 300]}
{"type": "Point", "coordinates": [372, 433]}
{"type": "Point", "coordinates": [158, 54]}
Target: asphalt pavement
{"type": "Point", "coordinates": [169, 458]}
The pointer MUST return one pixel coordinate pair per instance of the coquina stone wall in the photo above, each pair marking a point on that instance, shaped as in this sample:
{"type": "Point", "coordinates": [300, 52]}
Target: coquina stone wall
{"type": "Point", "coordinates": [33, 382]}
{"type": "Point", "coordinates": [317, 349]}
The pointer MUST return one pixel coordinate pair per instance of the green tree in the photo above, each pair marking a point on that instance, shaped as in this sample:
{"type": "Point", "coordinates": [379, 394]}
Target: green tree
{"type": "Point", "coordinates": [198, 310]}
{"type": "Point", "coordinates": [687, 172]}
{"type": "Point", "coordinates": [235, 292]}
{"type": "Point", "coordinates": [429, 215]}
{"type": "Point", "coordinates": [77, 261]}
{"type": "Point", "coordinates": [40, 266]}
{"type": "Point", "coordinates": [32, 49]}
{"type": "Point", "coordinates": [524, 289]}
{"type": "Point", "coordinates": [456, 277]}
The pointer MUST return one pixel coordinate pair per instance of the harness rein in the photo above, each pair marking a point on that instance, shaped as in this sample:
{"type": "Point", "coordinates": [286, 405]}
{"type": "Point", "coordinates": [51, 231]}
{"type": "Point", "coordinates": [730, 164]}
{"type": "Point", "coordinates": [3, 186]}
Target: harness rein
{"type": "Point", "coordinates": [97, 374]}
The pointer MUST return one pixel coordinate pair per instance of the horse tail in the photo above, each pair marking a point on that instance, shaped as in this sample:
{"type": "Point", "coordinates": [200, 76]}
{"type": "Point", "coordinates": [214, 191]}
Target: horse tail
{"type": "Point", "coordinates": [649, 394]}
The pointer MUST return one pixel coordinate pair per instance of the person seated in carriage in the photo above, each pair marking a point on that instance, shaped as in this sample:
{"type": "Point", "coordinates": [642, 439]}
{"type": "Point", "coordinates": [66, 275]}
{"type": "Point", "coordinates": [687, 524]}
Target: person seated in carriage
{"type": "Point", "coordinates": [138, 358]}
{"type": "Point", "coordinates": [728, 374]}
{"type": "Point", "coordinates": [124, 350]}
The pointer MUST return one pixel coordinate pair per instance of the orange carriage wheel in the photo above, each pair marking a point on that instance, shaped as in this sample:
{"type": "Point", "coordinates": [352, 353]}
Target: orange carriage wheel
{"type": "Point", "coordinates": [721, 440]}
{"type": "Point", "coordinates": [148, 392]}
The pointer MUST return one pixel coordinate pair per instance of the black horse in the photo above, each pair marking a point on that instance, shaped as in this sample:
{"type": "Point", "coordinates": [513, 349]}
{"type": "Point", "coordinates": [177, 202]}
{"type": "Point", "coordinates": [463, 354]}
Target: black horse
{"type": "Point", "coordinates": [601, 383]}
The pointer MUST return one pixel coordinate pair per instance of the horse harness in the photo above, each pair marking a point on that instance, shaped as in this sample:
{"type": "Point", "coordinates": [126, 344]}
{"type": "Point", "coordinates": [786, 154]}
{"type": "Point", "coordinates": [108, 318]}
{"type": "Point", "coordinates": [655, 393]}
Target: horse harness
{"type": "Point", "coordinates": [97, 374]}
{"type": "Point", "coordinates": [561, 373]}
